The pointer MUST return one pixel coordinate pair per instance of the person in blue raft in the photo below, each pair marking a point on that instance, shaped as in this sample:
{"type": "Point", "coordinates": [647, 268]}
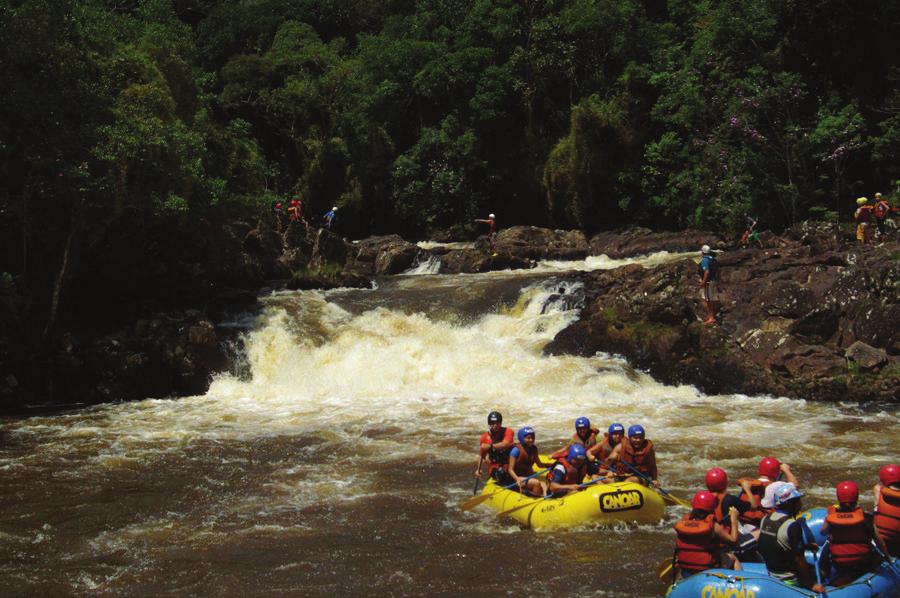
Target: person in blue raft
{"type": "Point", "coordinates": [781, 540]}
{"type": "Point", "coordinates": [851, 534]}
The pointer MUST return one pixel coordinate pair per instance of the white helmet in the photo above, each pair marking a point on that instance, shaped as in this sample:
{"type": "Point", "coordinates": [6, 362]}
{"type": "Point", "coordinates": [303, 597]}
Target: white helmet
{"type": "Point", "coordinates": [334, 209]}
{"type": "Point", "coordinates": [491, 216]}
{"type": "Point", "coordinates": [704, 249]}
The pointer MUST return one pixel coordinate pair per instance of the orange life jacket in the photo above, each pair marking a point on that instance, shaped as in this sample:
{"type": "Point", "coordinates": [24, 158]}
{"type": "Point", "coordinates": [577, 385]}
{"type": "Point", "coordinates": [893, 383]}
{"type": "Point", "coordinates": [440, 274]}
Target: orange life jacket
{"type": "Point", "coordinates": [696, 545]}
{"type": "Point", "coordinates": [722, 517]}
{"type": "Point", "coordinates": [526, 460]}
{"type": "Point", "coordinates": [887, 515]}
{"type": "Point", "coordinates": [576, 439]}
{"type": "Point", "coordinates": [574, 475]}
{"type": "Point", "coordinates": [605, 448]}
{"type": "Point", "coordinates": [850, 543]}
{"type": "Point", "coordinates": [754, 516]}
{"type": "Point", "coordinates": [642, 460]}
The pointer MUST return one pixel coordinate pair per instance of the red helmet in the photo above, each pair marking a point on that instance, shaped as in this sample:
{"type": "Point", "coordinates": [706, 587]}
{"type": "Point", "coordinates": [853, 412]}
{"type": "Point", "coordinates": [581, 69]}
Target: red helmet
{"type": "Point", "coordinates": [889, 474]}
{"type": "Point", "coordinates": [705, 501]}
{"type": "Point", "coordinates": [716, 479]}
{"type": "Point", "coordinates": [847, 492]}
{"type": "Point", "coordinates": [769, 467]}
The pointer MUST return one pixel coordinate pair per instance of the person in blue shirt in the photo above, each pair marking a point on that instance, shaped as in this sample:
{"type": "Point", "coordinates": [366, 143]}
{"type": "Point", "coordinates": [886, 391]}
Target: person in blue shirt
{"type": "Point", "coordinates": [709, 276]}
{"type": "Point", "coordinates": [330, 218]}
{"type": "Point", "coordinates": [524, 458]}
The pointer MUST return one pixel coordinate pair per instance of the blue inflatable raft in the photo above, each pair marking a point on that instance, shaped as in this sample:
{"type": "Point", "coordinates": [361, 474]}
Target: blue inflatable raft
{"type": "Point", "coordinates": [755, 582]}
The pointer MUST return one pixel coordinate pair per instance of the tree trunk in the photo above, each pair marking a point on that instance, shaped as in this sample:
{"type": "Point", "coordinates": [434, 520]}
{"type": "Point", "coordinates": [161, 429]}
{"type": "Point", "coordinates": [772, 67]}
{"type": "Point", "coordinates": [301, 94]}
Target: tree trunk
{"type": "Point", "coordinates": [74, 227]}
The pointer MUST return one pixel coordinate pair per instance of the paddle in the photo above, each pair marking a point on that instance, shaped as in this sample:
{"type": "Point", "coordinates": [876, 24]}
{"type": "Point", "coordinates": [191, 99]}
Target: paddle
{"type": "Point", "coordinates": [475, 489]}
{"type": "Point", "coordinates": [663, 568]}
{"type": "Point", "coordinates": [474, 502]}
{"type": "Point", "coordinates": [537, 500]}
{"type": "Point", "coordinates": [661, 491]}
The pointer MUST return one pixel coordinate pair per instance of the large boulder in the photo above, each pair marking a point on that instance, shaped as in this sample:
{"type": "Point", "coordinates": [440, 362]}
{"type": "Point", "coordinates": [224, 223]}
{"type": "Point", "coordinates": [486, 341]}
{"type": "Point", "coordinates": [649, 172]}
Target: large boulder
{"type": "Point", "coordinates": [866, 356]}
{"type": "Point", "coordinates": [532, 242]}
{"type": "Point", "coordinates": [472, 260]}
{"type": "Point", "coordinates": [329, 248]}
{"type": "Point", "coordinates": [396, 258]}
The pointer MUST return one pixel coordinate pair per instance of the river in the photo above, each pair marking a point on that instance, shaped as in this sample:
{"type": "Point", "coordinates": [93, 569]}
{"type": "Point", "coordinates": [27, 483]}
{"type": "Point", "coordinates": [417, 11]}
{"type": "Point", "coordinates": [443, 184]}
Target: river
{"type": "Point", "coordinates": [333, 459]}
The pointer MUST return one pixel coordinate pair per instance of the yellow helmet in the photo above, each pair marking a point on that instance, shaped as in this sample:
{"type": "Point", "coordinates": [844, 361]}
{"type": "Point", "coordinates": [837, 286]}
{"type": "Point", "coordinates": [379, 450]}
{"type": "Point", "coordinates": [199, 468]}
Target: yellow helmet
{"type": "Point", "coordinates": [862, 201]}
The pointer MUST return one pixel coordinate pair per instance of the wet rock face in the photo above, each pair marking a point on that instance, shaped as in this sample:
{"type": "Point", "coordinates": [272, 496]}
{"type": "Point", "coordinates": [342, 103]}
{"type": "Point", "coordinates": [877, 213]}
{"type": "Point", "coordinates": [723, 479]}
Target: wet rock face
{"type": "Point", "coordinates": [643, 241]}
{"type": "Point", "coordinates": [160, 356]}
{"type": "Point", "coordinates": [821, 324]}
{"type": "Point", "coordinates": [532, 243]}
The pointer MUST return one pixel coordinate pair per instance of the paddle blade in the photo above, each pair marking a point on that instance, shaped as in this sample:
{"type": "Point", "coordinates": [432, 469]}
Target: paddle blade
{"type": "Point", "coordinates": [475, 501]}
{"type": "Point", "coordinates": [672, 499]}
{"type": "Point", "coordinates": [664, 568]}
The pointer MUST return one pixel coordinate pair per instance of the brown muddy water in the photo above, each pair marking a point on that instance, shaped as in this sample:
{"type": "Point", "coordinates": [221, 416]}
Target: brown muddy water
{"type": "Point", "coordinates": [334, 464]}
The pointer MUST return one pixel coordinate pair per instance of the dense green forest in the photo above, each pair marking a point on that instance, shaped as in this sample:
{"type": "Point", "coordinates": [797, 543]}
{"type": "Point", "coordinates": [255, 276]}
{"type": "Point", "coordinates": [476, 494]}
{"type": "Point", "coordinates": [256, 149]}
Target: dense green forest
{"type": "Point", "coordinates": [125, 120]}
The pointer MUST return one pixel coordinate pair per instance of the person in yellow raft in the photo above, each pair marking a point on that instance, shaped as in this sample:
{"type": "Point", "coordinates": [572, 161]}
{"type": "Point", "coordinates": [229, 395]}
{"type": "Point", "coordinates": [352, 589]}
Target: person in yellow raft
{"type": "Point", "coordinates": [598, 455]}
{"type": "Point", "coordinates": [585, 435]}
{"type": "Point", "coordinates": [522, 459]}
{"type": "Point", "coordinates": [636, 457]}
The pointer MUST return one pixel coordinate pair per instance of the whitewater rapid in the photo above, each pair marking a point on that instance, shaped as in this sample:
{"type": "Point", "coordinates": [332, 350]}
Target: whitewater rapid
{"type": "Point", "coordinates": [354, 416]}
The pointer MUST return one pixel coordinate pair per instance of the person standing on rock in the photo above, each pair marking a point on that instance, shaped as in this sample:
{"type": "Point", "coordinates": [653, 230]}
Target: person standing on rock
{"type": "Point", "coordinates": [880, 210]}
{"type": "Point", "coordinates": [751, 235]}
{"type": "Point", "coordinates": [709, 276]}
{"type": "Point", "coordinates": [864, 217]}
{"type": "Point", "coordinates": [278, 213]}
{"type": "Point", "coordinates": [492, 226]}
{"type": "Point", "coordinates": [330, 219]}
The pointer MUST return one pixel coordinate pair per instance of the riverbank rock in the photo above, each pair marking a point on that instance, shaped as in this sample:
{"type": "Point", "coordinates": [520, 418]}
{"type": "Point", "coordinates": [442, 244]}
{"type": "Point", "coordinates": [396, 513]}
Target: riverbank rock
{"type": "Point", "coordinates": [536, 243]}
{"type": "Point", "coordinates": [815, 316]}
{"type": "Point", "coordinates": [474, 260]}
{"type": "Point", "coordinates": [643, 241]}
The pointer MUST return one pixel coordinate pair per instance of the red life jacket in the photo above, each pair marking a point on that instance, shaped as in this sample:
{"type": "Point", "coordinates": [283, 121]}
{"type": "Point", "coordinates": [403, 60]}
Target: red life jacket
{"type": "Point", "coordinates": [526, 460]}
{"type": "Point", "coordinates": [642, 460]}
{"type": "Point", "coordinates": [754, 516]}
{"type": "Point", "coordinates": [881, 209]}
{"type": "Point", "coordinates": [696, 545]}
{"type": "Point", "coordinates": [496, 459]}
{"type": "Point", "coordinates": [864, 214]}
{"type": "Point", "coordinates": [574, 475]}
{"type": "Point", "coordinates": [887, 516]}
{"type": "Point", "coordinates": [850, 543]}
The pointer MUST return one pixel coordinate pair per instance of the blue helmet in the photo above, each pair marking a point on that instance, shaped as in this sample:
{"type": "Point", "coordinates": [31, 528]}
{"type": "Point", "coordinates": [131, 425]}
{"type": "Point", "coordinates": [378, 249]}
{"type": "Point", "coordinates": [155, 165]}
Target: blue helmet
{"type": "Point", "coordinates": [616, 429]}
{"type": "Point", "coordinates": [576, 451]}
{"type": "Point", "coordinates": [523, 432]}
{"type": "Point", "coordinates": [582, 422]}
{"type": "Point", "coordinates": [636, 430]}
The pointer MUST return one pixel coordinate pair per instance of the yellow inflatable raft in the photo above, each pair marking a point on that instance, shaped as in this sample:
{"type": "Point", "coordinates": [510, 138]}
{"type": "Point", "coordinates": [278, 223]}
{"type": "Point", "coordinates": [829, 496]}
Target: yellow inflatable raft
{"type": "Point", "coordinates": [600, 503]}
